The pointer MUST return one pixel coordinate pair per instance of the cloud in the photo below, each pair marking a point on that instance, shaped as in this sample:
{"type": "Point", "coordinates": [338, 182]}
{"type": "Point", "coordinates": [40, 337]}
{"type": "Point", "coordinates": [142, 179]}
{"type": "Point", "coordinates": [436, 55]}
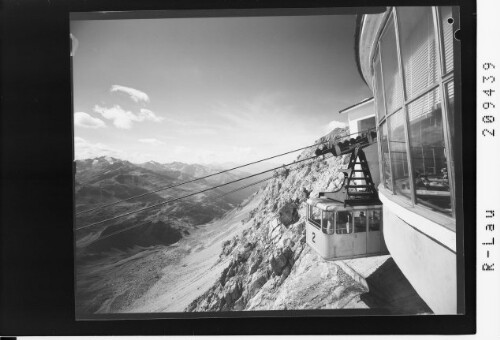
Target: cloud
{"type": "Point", "coordinates": [152, 141]}
{"type": "Point", "coordinates": [123, 119]}
{"type": "Point", "coordinates": [333, 125]}
{"type": "Point", "coordinates": [134, 94]}
{"type": "Point", "coordinates": [85, 120]}
{"type": "Point", "coordinates": [85, 149]}
{"type": "Point", "coordinates": [149, 115]}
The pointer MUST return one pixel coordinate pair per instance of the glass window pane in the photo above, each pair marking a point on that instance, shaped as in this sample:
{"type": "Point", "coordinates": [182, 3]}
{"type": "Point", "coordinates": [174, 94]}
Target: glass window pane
{"type": "Point", "coordinates": [344, 222]}
{"type": "Point", "coordinates": [429, 155]}
{"type": "Point", "coordinates": [327, 225]}
{"type": "Point", "coordinates": [314, 215]}
{"type": "Point", "coordinates": [359, 221]}
{"type": "Point", "coordinates": [365, 124]}
{"type": "Point", "coordinates": [447, 34]}
{"type": "Point", "coordinates": [418, 48]}
{"type": "Point", "coordinates": [386, 166]}
{"type": "Point", "coordinates": [379, 95]}
{"type": "Point", "coordinates": [390, 69]}
{"type": "Point", "coordinates": [450, 97]}
{"type": "Point", "coordinates": [374, 220]}
{"type": "Point", "coordinates": [399, 160]}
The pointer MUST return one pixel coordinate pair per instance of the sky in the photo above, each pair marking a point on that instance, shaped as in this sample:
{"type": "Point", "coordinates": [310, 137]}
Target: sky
{"type": "Point", "coordinates": [211, 90]}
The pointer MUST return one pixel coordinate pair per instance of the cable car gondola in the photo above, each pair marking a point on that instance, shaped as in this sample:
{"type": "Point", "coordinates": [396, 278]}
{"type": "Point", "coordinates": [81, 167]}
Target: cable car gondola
{"type": "Point", "coordinates": [347, 223]}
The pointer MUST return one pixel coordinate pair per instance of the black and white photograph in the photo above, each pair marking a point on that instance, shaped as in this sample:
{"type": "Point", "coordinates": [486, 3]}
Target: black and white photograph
{"type": "Point", "coordinates": [281, 162]}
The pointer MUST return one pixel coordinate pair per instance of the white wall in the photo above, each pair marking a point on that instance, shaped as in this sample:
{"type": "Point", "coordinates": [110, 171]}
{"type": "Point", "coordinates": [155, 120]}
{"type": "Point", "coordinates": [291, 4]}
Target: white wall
{"type": "Point", "coordinates": [428, 265]}
{"type": "Point", "coordinates": [363, 111]}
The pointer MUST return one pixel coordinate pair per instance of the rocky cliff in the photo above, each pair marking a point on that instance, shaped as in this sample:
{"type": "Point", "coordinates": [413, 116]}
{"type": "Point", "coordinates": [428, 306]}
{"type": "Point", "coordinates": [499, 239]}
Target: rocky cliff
{"type": "Point", "coordinates": [271, 267]}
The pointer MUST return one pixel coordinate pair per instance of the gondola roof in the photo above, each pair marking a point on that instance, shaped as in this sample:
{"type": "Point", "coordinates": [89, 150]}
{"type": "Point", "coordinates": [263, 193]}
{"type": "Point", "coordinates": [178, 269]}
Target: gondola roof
{"type": "Point", "coordinates": [328, 204]}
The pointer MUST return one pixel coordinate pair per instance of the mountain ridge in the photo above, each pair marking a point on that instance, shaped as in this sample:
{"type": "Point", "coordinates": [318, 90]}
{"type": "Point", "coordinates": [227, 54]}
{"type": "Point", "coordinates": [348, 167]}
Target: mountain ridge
{"type": "Point", "coordinates": [273, 249]}
{"type": "Point", "coordinates": [104, 181]}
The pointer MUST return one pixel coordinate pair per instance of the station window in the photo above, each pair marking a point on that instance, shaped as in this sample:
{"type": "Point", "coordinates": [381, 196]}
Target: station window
{"type": "Point", "coordinates": [450, 99]}
{"type": "Point", "coordinates": [379, 94]}
{"type": "Point", "coordinates": [366, 124]}
{"type": "Point", "coordinates": [390, 73]}
{"type": "Point", "coordinates": [418, 49]}
{"type": "Point", "coordinates": [446, 23]}
{"type": "Point", "coordinates": [386, 165]}
{"type": "Point", "coordinates": [344, 222]}
{"type": "Point", "coordinates": [360, 221]}
{"type": "Point", "coordinates": [419, 115]}
{"type": "Point", "coordinates": [374, 220]}
{"type": "Point", "coordinates": [399, 159]}
{"type": "Point", "coordinates": [429, 153]}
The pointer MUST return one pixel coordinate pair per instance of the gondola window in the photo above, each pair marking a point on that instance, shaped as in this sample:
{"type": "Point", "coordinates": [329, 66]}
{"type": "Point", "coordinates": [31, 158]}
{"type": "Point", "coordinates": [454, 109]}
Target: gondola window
{"type": "Point", "coordinates": [374, 220]}
{"type": "Point", "coordinates": [344, 222]}
{"type": "Point", "coordinates": [360, 221]}
{"type": "Point", "coordinates": [315, 216]}
{"type": "Point", "coordinates": [327, 224]}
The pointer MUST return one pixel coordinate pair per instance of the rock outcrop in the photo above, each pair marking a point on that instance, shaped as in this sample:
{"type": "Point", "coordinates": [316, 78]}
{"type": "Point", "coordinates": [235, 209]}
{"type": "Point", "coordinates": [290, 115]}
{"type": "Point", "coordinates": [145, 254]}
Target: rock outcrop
{"type": "Point", "coordinates": [270, 266]}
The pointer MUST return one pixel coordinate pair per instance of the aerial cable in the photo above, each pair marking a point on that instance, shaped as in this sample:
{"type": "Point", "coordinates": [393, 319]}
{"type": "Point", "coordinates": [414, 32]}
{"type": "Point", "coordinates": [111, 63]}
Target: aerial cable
{"type": "Point", "coordinates": [211, 175]}
{"type": "Point", "coordinates": [144, 223]}
{"type": "Point", "coordinates": [195, 179]}
{"type": "Point", "coordinates": [215, 198]}
{"type": "Point", "coordinates": [193, 194]}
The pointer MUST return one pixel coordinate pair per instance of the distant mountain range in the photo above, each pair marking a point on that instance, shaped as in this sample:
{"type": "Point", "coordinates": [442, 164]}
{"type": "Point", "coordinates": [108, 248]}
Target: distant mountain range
{"type": "Point", "coordinates": [254, 257]}
{"type": "Point", "coordinates": [106, 180]}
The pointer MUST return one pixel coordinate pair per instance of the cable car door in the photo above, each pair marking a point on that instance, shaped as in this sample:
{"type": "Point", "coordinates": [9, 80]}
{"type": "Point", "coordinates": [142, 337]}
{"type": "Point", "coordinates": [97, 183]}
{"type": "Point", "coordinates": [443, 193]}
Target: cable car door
{"type": "Point", "coordinates": [375, 242]}
{"type": "Point", "coordinates": [360, 234]}
{"type": "Point", "coordinates": [344, 239]}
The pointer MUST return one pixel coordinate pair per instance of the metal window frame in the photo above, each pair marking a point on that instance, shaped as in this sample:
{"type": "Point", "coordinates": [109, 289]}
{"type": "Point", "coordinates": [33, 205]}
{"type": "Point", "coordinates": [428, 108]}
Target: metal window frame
{"type": "Point", "coordinates": [422, 93]}
{"type": "Point", "coordinates": [383, 32]}
{"type": "Point", "coordinates": [324, 229]}
{"type": "Point", "coordinates": [387, 126]}
{"type": "Point", "coordinates": [391, 155]}
{"type": "Point", "coordinates": [381, 121]}
{"type": "Point", "coordinates": [443, 79]}
{"type": "Point", "coordinates": [354, 221]}
{"type": "Point", "coordinates": [448, 143]}
{"type": "Point", "coordinates": [406, 122]}
{"type": "Point", "coordinates": [324, 221]}
{"type": "Point", "coordinates": [374, 85]}
{"type": "Point", "coordinates": [335, 223]}
{"type": "Point", "coordinates": [441, 45]}
{"type": "Point", "coordinates": [312, 221]}
{"type": "Point", "coordinates": [351, 224]}
{"type": "Point", "coordinates": [386, 115]}
{"type": "Point", "coordinates": [380, 211]}
{"type": "Point", "coordinates": [379, 135]}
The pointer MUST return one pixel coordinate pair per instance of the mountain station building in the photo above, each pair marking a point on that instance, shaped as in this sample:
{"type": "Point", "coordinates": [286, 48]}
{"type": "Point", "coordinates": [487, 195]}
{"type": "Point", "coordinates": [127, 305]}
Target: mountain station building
{"type": "Point", "coordinates": [406, 55]}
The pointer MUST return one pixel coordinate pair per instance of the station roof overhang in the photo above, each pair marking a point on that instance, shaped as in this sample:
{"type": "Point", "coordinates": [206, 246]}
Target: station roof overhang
{"type": "Point", "coordinates": [367, 32]}
{"type": "Point", "coordinates": [357, 105]}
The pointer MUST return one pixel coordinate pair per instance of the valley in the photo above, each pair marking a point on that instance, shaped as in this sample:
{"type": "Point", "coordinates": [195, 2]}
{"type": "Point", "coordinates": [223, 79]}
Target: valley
{"type": "Point", "coordinates": [209, 255]}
